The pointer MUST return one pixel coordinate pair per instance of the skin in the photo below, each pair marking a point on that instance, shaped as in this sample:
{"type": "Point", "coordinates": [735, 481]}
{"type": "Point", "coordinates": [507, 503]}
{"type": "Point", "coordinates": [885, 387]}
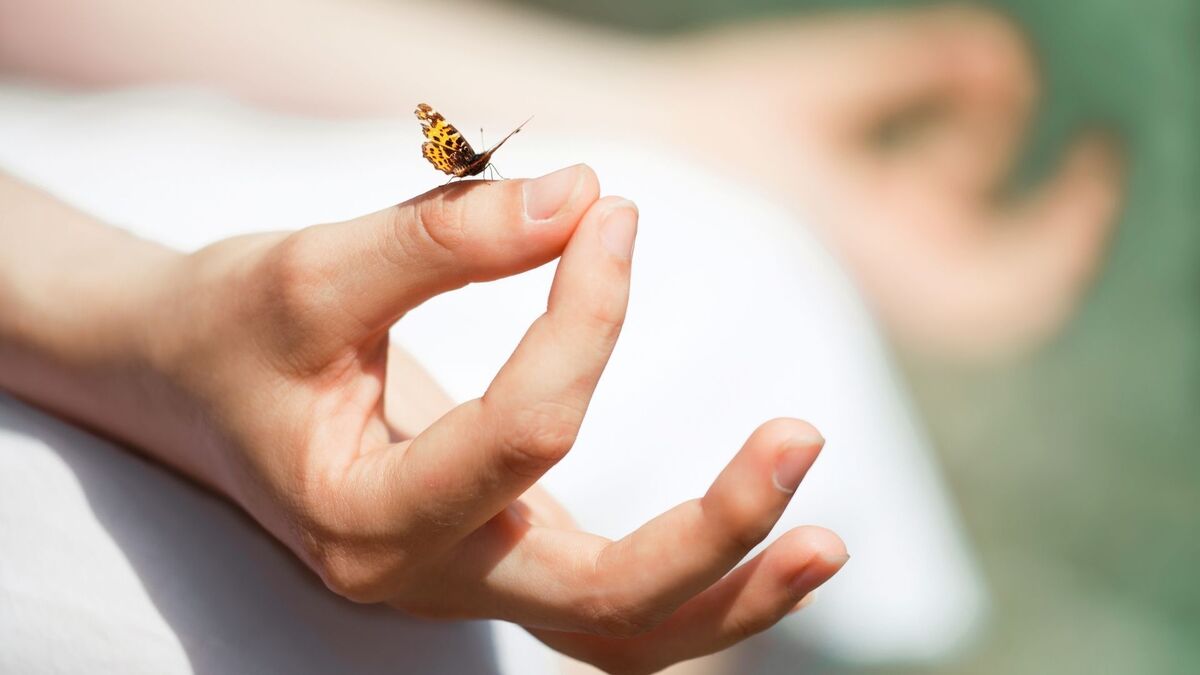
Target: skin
{"type": "Point", "coordinates": [953, 271]}
{"type": "Point", "coordinates": [957, 266]}
{"type": "Point", "coordinates": [260, 367]}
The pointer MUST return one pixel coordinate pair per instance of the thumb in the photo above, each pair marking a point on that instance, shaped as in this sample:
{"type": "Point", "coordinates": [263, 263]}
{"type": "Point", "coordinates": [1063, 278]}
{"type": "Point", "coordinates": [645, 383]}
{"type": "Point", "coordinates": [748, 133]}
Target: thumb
{"type": "Point", "coordinates": [377, 267]}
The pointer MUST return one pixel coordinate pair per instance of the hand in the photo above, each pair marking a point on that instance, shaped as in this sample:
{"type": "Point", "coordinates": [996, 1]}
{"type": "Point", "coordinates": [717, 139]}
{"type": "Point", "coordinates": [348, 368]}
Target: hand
{"type": "Point", "coordinates": [792, 105]}
{"type": "Point", "coordinates": [267, 374]}
{"type": "Point", "coordinates": [952, 270]}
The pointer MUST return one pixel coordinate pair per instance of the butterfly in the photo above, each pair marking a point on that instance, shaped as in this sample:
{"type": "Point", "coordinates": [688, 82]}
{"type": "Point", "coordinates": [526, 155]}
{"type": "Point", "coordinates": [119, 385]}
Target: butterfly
{"type": "Point", "coordinates": [447, 150]}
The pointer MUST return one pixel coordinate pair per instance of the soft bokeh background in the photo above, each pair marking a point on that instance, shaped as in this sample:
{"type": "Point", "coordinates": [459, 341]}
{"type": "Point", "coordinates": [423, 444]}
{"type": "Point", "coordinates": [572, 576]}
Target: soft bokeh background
{"type": "Point", "coordinates": [1078, 469]}
{"type": "Point", "coordinates": [1075, 467]}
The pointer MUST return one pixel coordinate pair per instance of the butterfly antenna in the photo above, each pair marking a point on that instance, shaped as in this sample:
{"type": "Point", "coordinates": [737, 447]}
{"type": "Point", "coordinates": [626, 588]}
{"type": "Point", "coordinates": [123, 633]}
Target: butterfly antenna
{"type": "Point", "coordinates": [510, 135]}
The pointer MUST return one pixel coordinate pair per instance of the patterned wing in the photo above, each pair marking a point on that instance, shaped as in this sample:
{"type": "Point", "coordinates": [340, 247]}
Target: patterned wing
{"type": "Point", "coordinates": [444, 147]}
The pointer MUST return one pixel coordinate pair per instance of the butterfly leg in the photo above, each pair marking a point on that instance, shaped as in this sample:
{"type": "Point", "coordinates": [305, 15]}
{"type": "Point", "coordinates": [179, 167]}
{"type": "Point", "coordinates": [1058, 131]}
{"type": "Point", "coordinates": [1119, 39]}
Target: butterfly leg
{"type": "Point", "coordinates": [493, 168]}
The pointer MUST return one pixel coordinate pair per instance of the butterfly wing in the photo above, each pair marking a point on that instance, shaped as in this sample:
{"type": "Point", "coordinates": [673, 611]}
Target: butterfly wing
{"type": "Point", "coordinates": [444, 147]}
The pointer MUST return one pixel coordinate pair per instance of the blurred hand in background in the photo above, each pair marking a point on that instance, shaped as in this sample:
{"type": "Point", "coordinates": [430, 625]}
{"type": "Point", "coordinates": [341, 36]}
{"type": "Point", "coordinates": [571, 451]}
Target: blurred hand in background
{"type": "Point", "coordinates": [799, 106]}
{"type": "Point", "coordinates": [896, 131]}
{"type": "Point", "coordinates": [893, 132]}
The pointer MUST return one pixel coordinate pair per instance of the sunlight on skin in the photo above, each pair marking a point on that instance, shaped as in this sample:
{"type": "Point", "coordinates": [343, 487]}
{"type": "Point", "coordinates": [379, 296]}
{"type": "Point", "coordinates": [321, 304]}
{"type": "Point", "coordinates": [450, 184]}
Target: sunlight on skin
{"type": "Point", "coordinates": [950, 271]}
{"type": "Point", "coordinates": [258, 366]}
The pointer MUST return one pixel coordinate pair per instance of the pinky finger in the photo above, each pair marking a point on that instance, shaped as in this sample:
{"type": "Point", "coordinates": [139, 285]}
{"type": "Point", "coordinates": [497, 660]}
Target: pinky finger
{"type": "Point", "coordinates": [748, 600]}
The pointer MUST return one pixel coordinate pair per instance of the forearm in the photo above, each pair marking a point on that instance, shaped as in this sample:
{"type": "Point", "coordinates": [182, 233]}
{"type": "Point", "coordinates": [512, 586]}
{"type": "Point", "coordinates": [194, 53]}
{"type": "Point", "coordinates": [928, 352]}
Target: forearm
{"type": "Point", "coordinates": [74, 338]}
{"type": "Point", "coordinates": [337, 57]}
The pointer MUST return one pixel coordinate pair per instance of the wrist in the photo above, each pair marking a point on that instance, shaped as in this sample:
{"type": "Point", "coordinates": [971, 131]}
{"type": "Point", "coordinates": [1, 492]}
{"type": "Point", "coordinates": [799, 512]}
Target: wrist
{"type": "Point", "coordinates": [72, 332]}
{"type": "Point", "coordinates": [81, 311]}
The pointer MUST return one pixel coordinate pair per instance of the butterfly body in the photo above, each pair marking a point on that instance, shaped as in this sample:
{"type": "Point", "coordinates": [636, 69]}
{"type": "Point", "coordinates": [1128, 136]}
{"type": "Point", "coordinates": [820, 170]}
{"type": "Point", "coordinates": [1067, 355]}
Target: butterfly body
{"type": "Point", "coordinates": [447, 150]}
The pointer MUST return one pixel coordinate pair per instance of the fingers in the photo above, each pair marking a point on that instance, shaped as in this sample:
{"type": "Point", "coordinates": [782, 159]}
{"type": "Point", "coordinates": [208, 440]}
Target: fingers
{"type": "Point", "coordinates": [1020, 277]}
{"type": "Point", "coordinates": [1059, 236]}
{"type": "Point", "coordinates": [375, 268]}
{"type": "Point", "coordinates": [481, 456]}
{"type": "Point", "coordinates": [1074, 211]}
{"type": "Point", "coordinates": [645, 569]}
{"type": "Point", "coordinates": [749, 600]}
{"type": "Point", "coordinates": [987, 109]}
{"type": "Point", "coordinates": [626, 587]}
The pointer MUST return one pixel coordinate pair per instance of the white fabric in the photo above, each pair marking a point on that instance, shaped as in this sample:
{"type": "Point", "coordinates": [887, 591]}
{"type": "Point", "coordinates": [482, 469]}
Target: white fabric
{"type": "Point", "coordinates": [111, 565]}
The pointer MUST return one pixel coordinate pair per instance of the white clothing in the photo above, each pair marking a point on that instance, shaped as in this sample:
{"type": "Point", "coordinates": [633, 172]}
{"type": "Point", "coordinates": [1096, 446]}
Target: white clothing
{"type": "Point", "coordinates": [110, 564]}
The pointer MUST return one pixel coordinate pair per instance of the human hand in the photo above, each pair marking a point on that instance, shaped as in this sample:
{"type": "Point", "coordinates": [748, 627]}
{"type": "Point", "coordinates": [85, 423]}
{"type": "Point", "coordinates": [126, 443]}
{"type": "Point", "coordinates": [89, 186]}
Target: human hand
{"type": "Point", "coordinates": [951, 269]}
{"type": "Point", "coordinates": [794, 105]}
{"type": "Point", "coordinates": [270, 378]}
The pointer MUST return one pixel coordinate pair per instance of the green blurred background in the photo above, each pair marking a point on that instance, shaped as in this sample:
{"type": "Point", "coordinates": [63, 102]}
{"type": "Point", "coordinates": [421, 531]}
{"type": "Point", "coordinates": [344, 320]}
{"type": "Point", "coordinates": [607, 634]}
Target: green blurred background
{"type": "Point", "coordinates": [1078, 470]}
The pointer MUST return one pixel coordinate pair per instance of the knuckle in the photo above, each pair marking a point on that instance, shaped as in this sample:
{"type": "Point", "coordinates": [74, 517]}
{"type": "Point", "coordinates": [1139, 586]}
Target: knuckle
{"type": "Point", "coordinates": [361, 566]}
{"type": "Point", "coordinates": [541, 436]}
{"type": "Point", "coordinates": [347, 575]}
{"type": "Point", "coordinates": [616, 621]}
{"type": "Point", "coordinates": [437, 220]}
{"type": "Point", "coordinates": [361, 569]}
{"type": "Point", "coordinates": [740, 627]}
{"type": "Point", "coordinates": [605, 320]}
{"type": "Point", "coordinates": [739, 519]}
{"type": "Point", "coordinates": [296, 276]}
{"type": "Point", "coordinates": [618, 616]}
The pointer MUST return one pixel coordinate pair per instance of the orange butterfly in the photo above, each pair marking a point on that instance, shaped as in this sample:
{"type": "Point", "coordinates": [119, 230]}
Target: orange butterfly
{"type": "Point", "coordinates": [447, 150]}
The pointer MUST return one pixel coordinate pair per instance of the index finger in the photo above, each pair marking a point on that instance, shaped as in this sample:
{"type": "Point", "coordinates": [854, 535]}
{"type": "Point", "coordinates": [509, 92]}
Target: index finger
{"type": "Point", "coordinates": [482, 455]}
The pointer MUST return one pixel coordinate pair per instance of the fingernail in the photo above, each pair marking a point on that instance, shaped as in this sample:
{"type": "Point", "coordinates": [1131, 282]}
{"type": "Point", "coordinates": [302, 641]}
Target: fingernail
{"type": "Point", "coordinates": [794, 461]}
{"type": "Point", "coordinates": [804, 602]}
{"type": "Point", "coordinates": [547, 195]}
{"type": "Point", "coordinates": [618, 230]}
{"type": "Point", "coordinates": [816, 572]}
